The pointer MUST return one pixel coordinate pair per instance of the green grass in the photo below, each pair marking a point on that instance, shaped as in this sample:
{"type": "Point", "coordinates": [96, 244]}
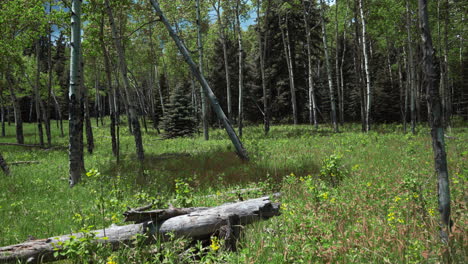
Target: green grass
{"type": "Point", "coordinates": [383, 210]}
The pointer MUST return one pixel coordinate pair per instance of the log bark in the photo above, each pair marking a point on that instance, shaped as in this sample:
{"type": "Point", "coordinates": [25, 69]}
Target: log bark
{"type": "Point", "coordinates": [199, 224]}
{"type": "Point", "coordinates": [4, 165]}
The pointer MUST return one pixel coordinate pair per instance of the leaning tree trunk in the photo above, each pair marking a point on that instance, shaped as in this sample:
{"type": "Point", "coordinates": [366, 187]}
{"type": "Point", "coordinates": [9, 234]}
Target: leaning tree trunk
{"type": "Point", "coordinates": [437, 128]}
{"type": "Point", "coordinates": [213, 100]}
{"type": "Point", "coordinates": [204, 107]}
{"type": "Point", "coordinates": [133, 118]}
{"type": "Point", "coordinates": [329, 73]}
{"type": "Point", "coordinates": [241, 73]}
{"type": "Point", "coordinates": [4, 165]}
{"type": "Point", "coordinates": [75, 94]}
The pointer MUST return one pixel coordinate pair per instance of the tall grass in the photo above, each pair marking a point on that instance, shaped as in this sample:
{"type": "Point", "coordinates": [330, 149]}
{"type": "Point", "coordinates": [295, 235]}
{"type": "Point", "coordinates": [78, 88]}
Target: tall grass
{"type": "Point", "coordinates": [381, 208]}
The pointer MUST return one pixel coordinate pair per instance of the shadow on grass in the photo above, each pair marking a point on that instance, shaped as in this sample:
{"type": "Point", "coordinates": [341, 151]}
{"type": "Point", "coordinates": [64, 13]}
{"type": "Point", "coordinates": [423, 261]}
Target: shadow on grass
{"type": "Point", "coordinates": [211, 169]}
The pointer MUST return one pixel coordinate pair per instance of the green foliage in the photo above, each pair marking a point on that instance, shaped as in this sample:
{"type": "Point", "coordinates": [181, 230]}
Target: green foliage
{"type": "Point", "coordinates": [383, 210]}
{"type": "Point", "coordinates": [332, 170]}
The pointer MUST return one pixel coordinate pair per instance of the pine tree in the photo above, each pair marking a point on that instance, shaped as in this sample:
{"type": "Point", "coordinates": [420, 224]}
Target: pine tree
{"type": "Point", "coordinates": [179, 120]}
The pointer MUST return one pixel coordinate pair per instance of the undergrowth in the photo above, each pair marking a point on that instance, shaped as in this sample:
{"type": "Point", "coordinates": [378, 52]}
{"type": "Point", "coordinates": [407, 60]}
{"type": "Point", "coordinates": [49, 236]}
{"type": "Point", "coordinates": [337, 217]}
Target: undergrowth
{"type": "Point", "coordinates": [346, 198]}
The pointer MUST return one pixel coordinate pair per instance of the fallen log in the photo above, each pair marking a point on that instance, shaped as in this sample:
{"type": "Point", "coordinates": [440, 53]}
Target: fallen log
{"type": "Point", "coordinates": [222, 220]}
{"type": "Point", "coordinates": [158, 215]}
{"type": "Point", "coordinates": [24, 162]}
{"type": "Point", "coordinates": [4, 165]}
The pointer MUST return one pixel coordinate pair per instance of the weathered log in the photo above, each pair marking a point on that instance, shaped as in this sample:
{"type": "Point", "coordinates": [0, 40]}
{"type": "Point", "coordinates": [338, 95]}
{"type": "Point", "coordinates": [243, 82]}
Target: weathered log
{"type": "Point", "coordinates": [4, 165]}
{"type": "Point", "coordinates": [220, 220]}
{"type": "Point", "coordinates": [139, 216]}
{"type": "Point", "coordinates": [24, 162]}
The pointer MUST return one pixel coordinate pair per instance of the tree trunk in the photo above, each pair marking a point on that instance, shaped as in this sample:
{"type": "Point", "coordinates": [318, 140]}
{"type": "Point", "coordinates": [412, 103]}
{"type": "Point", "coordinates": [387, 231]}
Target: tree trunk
{"type": "Point", "coordinates": [204, 107]}
{"type": "Point", "coordinates": [312, 102]}
{"type": "Point", "coordinates": [49, 84]}
{"type": "Point", "coordinates": [337, 64]}
{"type": "Point", "coordinates": [437, 128]}
{"type": "Point", "coordinates": [366, 68]}
{"type": "Point", "coordinates": [289, 62]}
{"type": "Point", "coordinates": [241, 66]}
{"type": "Point", "coordinates": [37, 96]}
{"type": "Point", "coordinates": [411, 73]}
{"type": "Point", "coordinates": [75, 96]}
{"type": "Point", "coordinates": [182, 222]}
{"type": "Point", "coordinates": [214, 101]}
{"type": "Point", "coordinates": [262, 47]}
{"type": "Point", "coordinates": [2, 117]}
{"type": "Point", "coordinates": [329, 73]}
{"type": "Point", "coordinates": [87, 117]}
{"type": "Point", "coordinates": [223, 36]}
{"type": "Point", "coordinates": [132, 112]}
{"type": "Point", "coordinates": [4, 165]}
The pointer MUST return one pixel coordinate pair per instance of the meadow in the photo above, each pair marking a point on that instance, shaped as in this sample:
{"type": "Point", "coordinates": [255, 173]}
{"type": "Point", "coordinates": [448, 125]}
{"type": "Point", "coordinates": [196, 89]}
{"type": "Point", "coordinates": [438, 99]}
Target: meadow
{"type": "Point", "coordinates": [349, 197]}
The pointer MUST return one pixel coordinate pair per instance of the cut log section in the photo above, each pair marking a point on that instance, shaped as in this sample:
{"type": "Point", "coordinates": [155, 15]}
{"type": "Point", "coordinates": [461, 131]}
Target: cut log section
{"type": "Point", "coordinates": [198, 223]}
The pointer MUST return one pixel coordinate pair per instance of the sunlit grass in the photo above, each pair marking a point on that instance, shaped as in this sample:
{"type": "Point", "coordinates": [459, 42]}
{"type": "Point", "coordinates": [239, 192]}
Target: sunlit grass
{"type": "Point", "coordinates": [383, 211]}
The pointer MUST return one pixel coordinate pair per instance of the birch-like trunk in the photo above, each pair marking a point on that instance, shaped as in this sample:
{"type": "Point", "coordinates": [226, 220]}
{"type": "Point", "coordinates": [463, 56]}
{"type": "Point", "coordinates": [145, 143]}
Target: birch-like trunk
{"type": "Point", "coordinates": [289, 62]}
{"type": "Point", "coordinates": [222, 34]}
{"type": "Point", "coordinates": [132, 112]}
{"type": "Point", "coordinates": [437, 128]}
{"type": "Point", "coordinates": [75, 94]}
{"type": "Point", "coordinates": [329, 73]}
{"type": "Point", "coordinates": [310, 80]}
{"type": "Point", "coordinates": [204, 107]}
{"type": "Point", "coordinates": [241, 152]}
{"type": "Point", "coordinates": [241, 66]}
{"type": "Point", "coordinates": [411, 74]}
{"type": "Point", "coordinates": [366, 68]}
{"type": "Point", "coordinates": [37, 96]}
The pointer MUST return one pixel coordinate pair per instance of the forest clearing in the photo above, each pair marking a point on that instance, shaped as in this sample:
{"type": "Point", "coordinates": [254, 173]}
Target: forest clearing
{"type": "Point", "coordinates": [233, 131]}
{"type": "Point", "coordinates": [382, 208]}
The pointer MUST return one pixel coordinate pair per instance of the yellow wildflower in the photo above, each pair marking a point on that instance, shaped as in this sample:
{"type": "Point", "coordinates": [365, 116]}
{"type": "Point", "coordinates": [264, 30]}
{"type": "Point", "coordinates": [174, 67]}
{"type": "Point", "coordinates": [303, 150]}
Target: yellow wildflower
{"type": "Point", "coordinates": [214, 244]}
{"type": "Point", "coordinates": [110, 260]}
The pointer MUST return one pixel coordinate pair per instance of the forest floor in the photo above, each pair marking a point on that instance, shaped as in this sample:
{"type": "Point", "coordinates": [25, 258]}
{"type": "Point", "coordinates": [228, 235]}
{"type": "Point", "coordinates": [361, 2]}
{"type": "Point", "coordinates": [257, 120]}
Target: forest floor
{"type": "Point", "coordinates": [346, 198]}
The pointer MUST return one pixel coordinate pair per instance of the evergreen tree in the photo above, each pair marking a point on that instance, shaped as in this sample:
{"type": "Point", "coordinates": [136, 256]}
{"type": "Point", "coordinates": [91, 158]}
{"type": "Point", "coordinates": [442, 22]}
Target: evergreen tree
{"type": "Point", "coordinates": [179, 120]}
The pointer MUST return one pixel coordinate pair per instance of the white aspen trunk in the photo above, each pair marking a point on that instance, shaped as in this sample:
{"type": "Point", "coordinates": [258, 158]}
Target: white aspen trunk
{"type": "Point", "coordinates": [241, 65]}
{"type": "Point", "coordinates": [241, 152]}
{"type": "Point", "coordinates": [366, 68]}
{"type": "Point", "coordinates": [310, 80]}
{"type": "Point", "coordinates": [37, 96]}
{"type": "Point", "coordinates": [200, 67]}
{"type": "Point", "coordinates": [75, 95]}
{"type": "Point", "coordinates": [328, 67]}
{"type": "Point", "coordinates": [289, 63]}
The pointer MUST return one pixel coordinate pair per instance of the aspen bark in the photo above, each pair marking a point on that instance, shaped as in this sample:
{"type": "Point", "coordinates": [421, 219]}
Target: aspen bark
{"type": "Point", "coordinates": [75, 111]}
{"type": "Point", "coordinates": [262, 47]}
{"type": "Point", "coordinates": [37, 96]}
{"type": "Point", "coordinates": [366, 68]}
{"type": "Point", "coordinates": [241, 152]}
{"type": "Point", "coordinates": [289, 61]}
{"type": "Point", "coordinates": [411, 74]}
{"type": "Point", "coordinates": [437, 128]}
{"type": "Point", "coordinates": [132, 112]}
{"type": "Point", "coordinates": [241, 66]}
{"type": "Point", "coordinates": [328, 67]}
{"type": "Point", "coordinates": [204, 107]}
{"type": "Point", "coordinates": [310, 81]}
